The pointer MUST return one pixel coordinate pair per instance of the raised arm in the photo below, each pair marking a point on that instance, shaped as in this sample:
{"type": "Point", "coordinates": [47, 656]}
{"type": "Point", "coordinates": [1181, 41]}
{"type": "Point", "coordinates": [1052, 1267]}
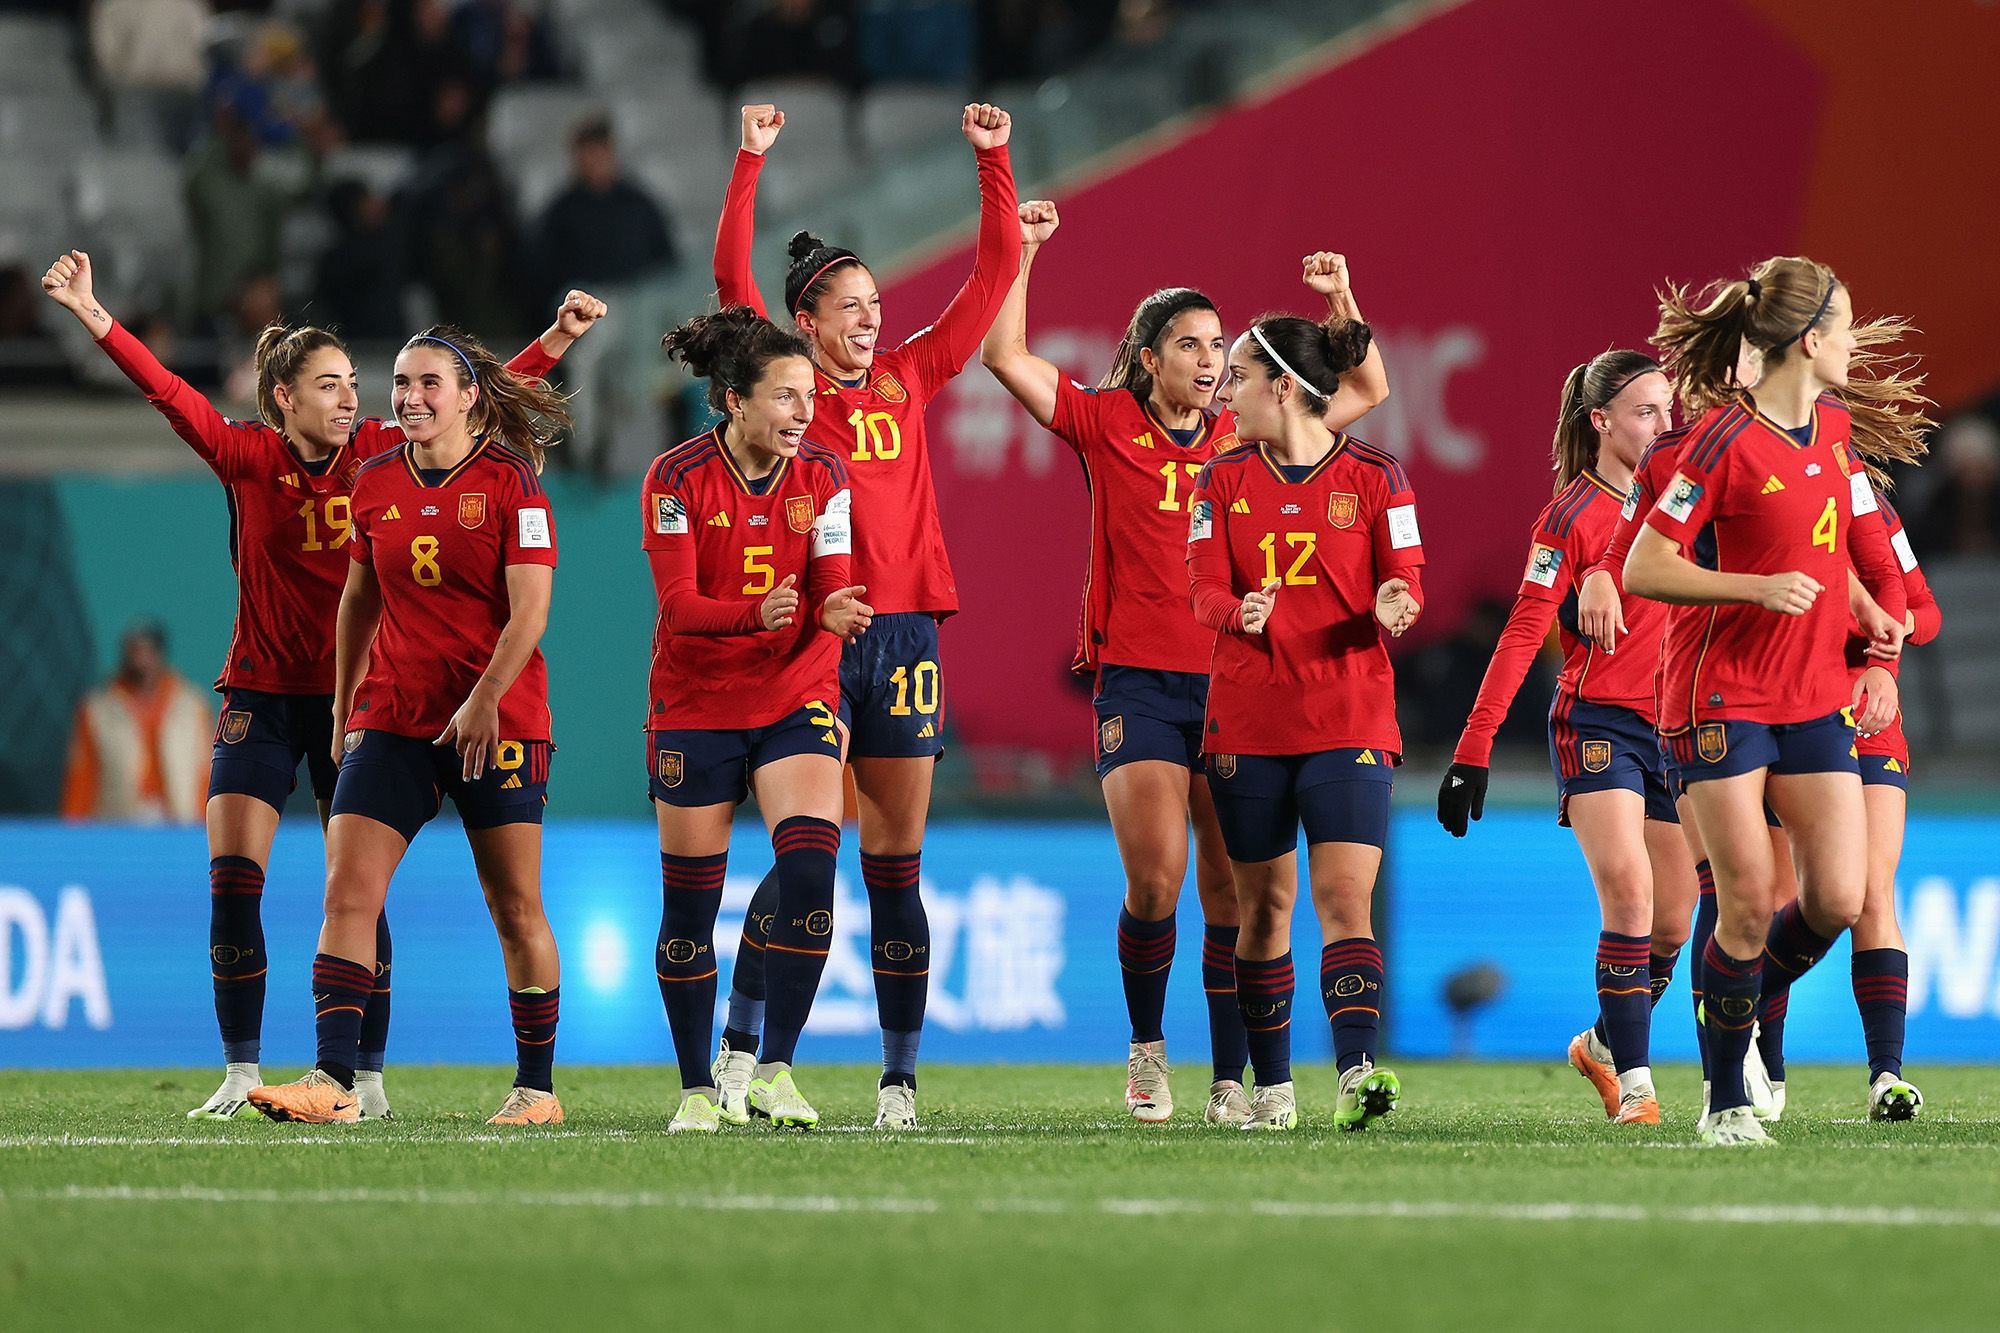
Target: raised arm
{"type": "Point", "coordinates": [949, 343]}
{"type": "Point", "coordinates": [1033, 381]}
{"type": "Point", "coordinates": [1365, 387]}
{"type": "Point", "coordinates": [575, 317]}
{"type": "Point", "coordinates": [736, 232]}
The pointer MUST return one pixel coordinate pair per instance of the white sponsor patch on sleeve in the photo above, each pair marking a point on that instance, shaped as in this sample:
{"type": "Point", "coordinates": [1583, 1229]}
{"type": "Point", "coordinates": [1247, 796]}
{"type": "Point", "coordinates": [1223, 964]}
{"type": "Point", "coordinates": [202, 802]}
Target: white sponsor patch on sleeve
{"type": "Point", "coordinates": [1202, 527]}
{"type": "Point", "coordinates": [1908, 557]}
{"type": "Point", "coordinates": [1682, 494]}
{"type": "Point", "coordinates": [833, 531]}
{"type": "Point", "coordinates": [1403, 527]}
{"type": "Point", "coordinates": [1864, 494]}
{"type": "Point", "coordinates": [670, 516]}
{"type": "Point", "coordinates": [534, 528]}
{"type": "Point", "coordinates": [1543, 564]}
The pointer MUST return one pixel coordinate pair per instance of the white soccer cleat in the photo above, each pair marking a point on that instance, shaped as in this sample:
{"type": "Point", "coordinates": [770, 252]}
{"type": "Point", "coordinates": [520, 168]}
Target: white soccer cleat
{"type": "Point", "coordinates": [1228, 1104]}
{"type": "Point", "coordinates": [1737, 1127]}
{"type": "Point", "coordinates": [896, 1107]}
{"type": "Point", "coordinates": [1273, 1108]}
{"type": "Point", "coordinates": [732, 1071]}
{"type": "Point", "coordinates": [697, 1115]}
{"type": "Point", "coordinates": [1892, 1098]}
{"type": "Point", "coordinates": [1147, 1095]}
{"type": "Point", "coordinates": [1702, 1123]}
{"type": "Point", "coordinates": [1777, 1111]}
{"type": "Point", "coordinates": [374, 1097]}
{"type": "Point", "coordinates": [232, 1098]}
{"type": "Point", "coordinates": [1756, 1078]}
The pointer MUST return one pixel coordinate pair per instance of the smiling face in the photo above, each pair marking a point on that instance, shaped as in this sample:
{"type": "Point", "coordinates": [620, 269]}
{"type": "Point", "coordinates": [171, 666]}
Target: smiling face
{"type": "Point", "coordinates": [1641, 410]}
{"type": "Point", "coordinates": [427, 400]}
{"type": "Point", "coordinates": [1252, 393]}
{"type": "Point", "coordinates": [844, 322]}
{"type": "Point", "coordinates": [1186, 361]}
{"type": "Point", "coordinates": [319, 404]}
{"type": "Point", "coordinates": [770, 420]}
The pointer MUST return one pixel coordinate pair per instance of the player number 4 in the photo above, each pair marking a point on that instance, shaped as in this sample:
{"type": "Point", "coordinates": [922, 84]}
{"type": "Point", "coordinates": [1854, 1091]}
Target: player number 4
{"type": "Point", "coordinates": [1826, 532]}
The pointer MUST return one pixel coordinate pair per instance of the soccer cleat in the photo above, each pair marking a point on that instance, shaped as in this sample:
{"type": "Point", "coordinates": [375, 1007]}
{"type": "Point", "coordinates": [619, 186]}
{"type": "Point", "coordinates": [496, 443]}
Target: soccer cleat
{"type": "Point", "coordinates": [315, 1099]}
{"type": "Point", "coordinates": [1588, 1057]}
{"type": "Point", "coordinates": [1638, 1108]}
{"type": "Point", "coordinates": [1702, 1122]}
{"type": "Point", "coordinates": [374, 1097]}
{"type": "Point", "coordinates": [1147, 1095]}
{"type": "Point", "coordinates": [1757, 1082]}
{"type": "Point", "coordinates": [896, 1107]}
{"type": "Point", "coordinates": [697, 1115]}
{"type": "Point", "coordinates": [1228, 1104]}
{"type": "Point", "coordinates": [1366, 1095]}
{"type": "Point", "coordinates": [1890, 1098]}
{"type": "Point", "coordinates": [731, 1072]}
{"type": "Point", "coordinates": [528, 1106]}
{"type": "Point", "coordinates": [1273, 1107]}
{"type": "Point", "coordinates": [777, 1100]}
{"type": "Point", "coordinates": [230, 1100]}
{"type": "Point", "coordinates": [1736, 1127]}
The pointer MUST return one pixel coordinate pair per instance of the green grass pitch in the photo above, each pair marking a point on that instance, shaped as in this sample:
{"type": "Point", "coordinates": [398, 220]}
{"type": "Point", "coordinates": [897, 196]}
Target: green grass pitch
{"type": "Point", "coordinates": [1497, 1197]}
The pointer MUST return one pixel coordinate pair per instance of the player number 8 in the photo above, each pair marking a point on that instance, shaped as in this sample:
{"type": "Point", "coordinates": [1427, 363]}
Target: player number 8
{"type": "Point", "coordinates": [424, 564]}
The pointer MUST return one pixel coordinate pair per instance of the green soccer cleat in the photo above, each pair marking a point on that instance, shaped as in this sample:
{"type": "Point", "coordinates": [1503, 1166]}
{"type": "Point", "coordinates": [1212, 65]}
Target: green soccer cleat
{"type": "Point", "coordinates": [1366, 1095]}
{"type": "Point", "coordinates": [777, 1100]}
{"type": "Point", "coordinates": [697, 1115]}
{"type": "Point", "coordinates": [1272, 1108]}
{"type": "Point", "coordinates": [1890, 1098]}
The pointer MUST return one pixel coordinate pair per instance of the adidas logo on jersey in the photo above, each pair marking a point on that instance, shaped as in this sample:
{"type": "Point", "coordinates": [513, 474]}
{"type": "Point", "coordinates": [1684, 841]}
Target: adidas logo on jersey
{"type": "Point", "coordinates": [513, 783]}
{"type": "Point", "coordinates": [928, 733]}
{"type": "Point", "coordinates": [1366, 757]}
{"type": "Point", "coordinates": [393, 513]}
{"type": "Point", "coordinates": [290, 479]}
{"type": "Point", "coordinates": [1773, 486]}
{"type": "Point", "coordinates": [719, 521]}
{"type": "Point", "coordinates": [1239, 506]}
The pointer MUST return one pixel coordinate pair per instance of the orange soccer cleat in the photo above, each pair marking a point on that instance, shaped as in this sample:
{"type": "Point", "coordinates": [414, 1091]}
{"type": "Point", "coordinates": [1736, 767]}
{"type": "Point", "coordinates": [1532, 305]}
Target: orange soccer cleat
{"type": "Point", "coordinates": [1588, 1058]}
{"type": "Point", "coordinates": [315, 1099]}
{"type": "Point", "coordinates": [1638, 1108]}
{"type": "Point", "coordinates": [528, 1106]}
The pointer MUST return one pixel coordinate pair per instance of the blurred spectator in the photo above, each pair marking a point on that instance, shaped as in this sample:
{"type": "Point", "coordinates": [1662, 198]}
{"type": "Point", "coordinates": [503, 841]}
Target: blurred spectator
{"type": "Point", "coordinates": [257, 306]}
{"type": "Point", "coordinates": [464, 242]}
{"type": "Point", "coordinates": [141, 746]}
{"type": "Point", "coordinates": [237, 213]}
{"type": "Point", "coordinates": [1028, 39]}
{"type": "Point", "coordinates": [502, 43]}
{"type": "Point", "coordinates": [389, 57]}
{"type": "Point", "coordinates": [1437, 685]}
{"type": "Point", "coordinates": [602, 229]}
{"type": "Point", "coordinates": [787, 39]}
{"type": "Point", "coordinates": [358, 283]}
{"type": "Point", "coordinates": [156, 45]}
{"type": "Point", "coordinates": [272, 87]}
{"type": "Point", "coordinates": [1963, 515]}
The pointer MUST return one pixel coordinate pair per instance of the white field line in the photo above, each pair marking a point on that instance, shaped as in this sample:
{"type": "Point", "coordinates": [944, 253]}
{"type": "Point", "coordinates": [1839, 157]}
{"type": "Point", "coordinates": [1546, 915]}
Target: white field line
{"type": "Point", "coordinates": [1807, 1215]}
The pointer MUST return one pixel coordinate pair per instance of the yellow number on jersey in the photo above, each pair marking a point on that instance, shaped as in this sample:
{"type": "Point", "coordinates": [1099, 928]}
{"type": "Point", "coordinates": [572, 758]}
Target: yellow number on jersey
{"type": "Point", "coordinates": [1826, 532]}
{"type": "Point", "coordinates": [1307, 544]}
{"type": "Point", "coordinates": [338, 523]}
{"type": "Point", "coordinates": [870, 435]}
{"type": "Point", "coordinates": [424, 564]}
{"type": "Point", "coordinates": [1172, 472]}
{"type": "Point", "coordinates": [763, 578]}
{"type": "Point", "coordinates": [917, 686]}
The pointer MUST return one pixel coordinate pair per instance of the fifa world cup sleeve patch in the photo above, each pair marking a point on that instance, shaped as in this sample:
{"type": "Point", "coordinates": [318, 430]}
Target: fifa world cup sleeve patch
{"type": "Point", "coordinates": [1202, 526]}
{"type": "Point", "coordinates": [1543, 564]}
{"type": "Point", "coordinates": [1403, 527]}
{"type": "Point", "coordinates": [1681, 496]}
{"type": "Point", "coordinates": [670, 516]}
{"type": "Point", "coordinates": [1864, 494]}
{"type": "Point", "coordinates": [1904, 555]}
{"type": "Point", "coordinates": [534, 528]}
{"type": "Point", "coordinates": [833, 534]}
{"type": "Point", "coordinates": [1631, 505]}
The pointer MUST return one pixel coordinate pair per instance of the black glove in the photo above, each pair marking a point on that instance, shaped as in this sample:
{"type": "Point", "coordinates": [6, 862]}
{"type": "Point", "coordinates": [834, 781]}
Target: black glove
{"type": "Point", "coordinates": [1462, 793]}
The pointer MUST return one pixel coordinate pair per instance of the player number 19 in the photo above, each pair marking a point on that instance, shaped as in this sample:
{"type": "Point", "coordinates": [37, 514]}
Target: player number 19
{"type": "Point", "coordinates": [1826, 532]}
{"type": "Point", "coordinates": [339, 525]}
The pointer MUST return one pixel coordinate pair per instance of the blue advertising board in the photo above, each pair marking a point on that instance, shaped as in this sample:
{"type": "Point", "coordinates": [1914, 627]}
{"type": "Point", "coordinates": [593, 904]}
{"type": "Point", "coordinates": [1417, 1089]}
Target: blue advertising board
{"type": "Point", "coordinates": [103, 937]}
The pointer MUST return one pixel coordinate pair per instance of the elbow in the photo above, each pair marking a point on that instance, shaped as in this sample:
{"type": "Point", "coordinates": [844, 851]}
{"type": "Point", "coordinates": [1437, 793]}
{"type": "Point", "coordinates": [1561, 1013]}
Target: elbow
{"type": "Point", "coordinates": [992, 355]}
{"type": "Point", "coordinates": [1641, 576]}
{"type": "Point", "coordinates": [1375, 394]}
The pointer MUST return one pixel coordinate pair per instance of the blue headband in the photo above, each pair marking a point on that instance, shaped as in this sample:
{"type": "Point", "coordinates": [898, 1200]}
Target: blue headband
{"type": "Point", "coordinates": [1818, 315]}
{"type": "Point", "coordinates": [465, 360]}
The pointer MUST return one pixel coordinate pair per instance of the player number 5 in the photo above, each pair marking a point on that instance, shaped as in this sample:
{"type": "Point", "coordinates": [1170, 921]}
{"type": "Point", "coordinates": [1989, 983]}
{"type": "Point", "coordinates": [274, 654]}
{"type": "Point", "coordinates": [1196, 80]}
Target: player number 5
{"type": "Point", "coordinates": [763, 577]}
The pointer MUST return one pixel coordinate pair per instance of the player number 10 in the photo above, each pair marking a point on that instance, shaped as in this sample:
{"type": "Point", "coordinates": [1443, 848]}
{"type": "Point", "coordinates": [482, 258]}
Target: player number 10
{"type": "Point", "coordinates": [915, 685]}
{"type": "Point", "coordinates": [1172, 472]}
{"type": "Point", "coordinates": [870, 435]}
{"type": "Point", "coordinates": [339, 525]}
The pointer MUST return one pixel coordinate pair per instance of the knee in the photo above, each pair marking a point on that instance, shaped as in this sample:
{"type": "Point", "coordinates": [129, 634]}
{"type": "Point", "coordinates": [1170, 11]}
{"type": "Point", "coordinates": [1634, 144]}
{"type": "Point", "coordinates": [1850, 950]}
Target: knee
{"type": "Point", "coordinates": [1151, 892]}
{"type": "Point", "coordinates": [1670, 932]}
{"type": "Point", "coordinates": [519, 920]}
{"type": "Point", "coordinates": [352, 898]}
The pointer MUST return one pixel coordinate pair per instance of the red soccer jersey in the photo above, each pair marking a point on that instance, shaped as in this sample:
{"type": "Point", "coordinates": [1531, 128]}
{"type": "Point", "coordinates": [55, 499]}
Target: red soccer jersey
{"type": "Point", "coordinates": [1318, 677]}
{"type": "Point", "coordinates": [718, 545]}
{"type": "Point", "coordinates": [440, 546]}
{"type": "Point", "coordinates": [1569, 538]}
{"type": "Point", "coordinates": [1747, 497]}
{"type": "Point", "coordinates": [289, 522]}
{"type": "Point", "coordinates": [899, 544]}
{"type": "Point", "coordinates": [1136, 610]}
{"type": "Point", "coordinates": [1927, 615]}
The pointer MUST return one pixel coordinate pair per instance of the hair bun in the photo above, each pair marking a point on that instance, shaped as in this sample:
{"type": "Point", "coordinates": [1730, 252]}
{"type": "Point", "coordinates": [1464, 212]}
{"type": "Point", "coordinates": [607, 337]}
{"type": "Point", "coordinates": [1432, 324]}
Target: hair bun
{"type": "Point", "coordinates": [1347, 344]}
{"type": "Point", "coordinates": [802, 244]}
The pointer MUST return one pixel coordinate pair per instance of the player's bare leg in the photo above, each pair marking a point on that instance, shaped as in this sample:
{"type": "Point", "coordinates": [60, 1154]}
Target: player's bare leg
{"type": "Point", "coordinates": [1730, 813]}
{"type": "Point", "coordinates": [893, 799]}
{"type": "Point", "coordinates": [509, 861]}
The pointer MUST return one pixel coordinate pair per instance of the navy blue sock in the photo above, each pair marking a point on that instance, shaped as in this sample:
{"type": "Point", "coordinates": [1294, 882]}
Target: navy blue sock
{"type": "Point", "coordinates": [1730, 1005]}
{"type": "Point", "coordinates": [534, 1013]}
{"type": "Point", "coordinates": [1351, 980]}
{"type": "Point", "coordinates": [340, 993]}
{"type": "Point", "coordinates": [1624, 997]}
{"type": "Point", "coordinates": [1228, 1043]}
{"type": "Point", "coordinates": [806, 849]}
{"type": "Point", "coordinates": [1145, 956]}
{"type": "Point", "coordinates": [1264, 994]}
{"type": "Point", "coordinates": [236, 954]}
{"type": "Point", "coordinates": [691, 895]}
{"type": "Point", "coordinates": [1771, 1031]}
{"type": "Point", "coordinates": [1789, 953]}
{"type": "Point", "coordinates": [746, 978]}
{"type": "Point", "coordinates": [375, 1018]}
{"type": "Point", "coordinates": [1660, 969]}
{"type": "Point", "coordinates": [1882, 994]}
{"type": "Point", "coordinates": [899, 940]}
{"type": "Point", "coordinates": [1704, 930]}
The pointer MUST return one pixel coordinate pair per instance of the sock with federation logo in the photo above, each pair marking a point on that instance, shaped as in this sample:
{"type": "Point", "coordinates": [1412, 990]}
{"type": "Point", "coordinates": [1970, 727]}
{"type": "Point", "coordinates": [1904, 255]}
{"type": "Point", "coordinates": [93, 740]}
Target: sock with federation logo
{"type": "Point", "coordinates": [1351, 980]}
{"type": "Point", "coordinates": [806, 850]}
{"type": "Point", "coordinates": [1228, 1041]}
{"type": "Point", "coordinates": [899, 940]}
{"type": "Point", "coordinates": [1789, 953]}
{"type": "Point", "coordinates": [340, 994]}
{"type": "Point", "coordinates": [534, 1012]}
{"type": "Point", "coordinates": [236, 954]}
{"type": "Point", "coordinates": [747, 987]}
{"type": "Point", "coordinates": [1264, 994]}
{"type": "Point", "coordinates": [1730, 1009]}
{"type": "Point", "coordinates": [691, 895]}
{"type": "Point", "coordinates": [375, 1018]}
{"type": "Point", "coordinates": [1625, 997]}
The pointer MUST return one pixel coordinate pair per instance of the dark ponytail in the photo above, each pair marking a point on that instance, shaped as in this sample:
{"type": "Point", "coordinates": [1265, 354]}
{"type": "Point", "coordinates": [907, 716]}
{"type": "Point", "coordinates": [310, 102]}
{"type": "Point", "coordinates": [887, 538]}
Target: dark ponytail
{"type": "Point", "coordinates": [1314, 355]}
{"type": "Point", "coordinates": [730, 349]}
{"type": "Point", "coordinates": [813, 263]}
{"type": "Point", "coordinates": [1589, 388]}
{"type": "Point", "coordinates": [1149, 327]}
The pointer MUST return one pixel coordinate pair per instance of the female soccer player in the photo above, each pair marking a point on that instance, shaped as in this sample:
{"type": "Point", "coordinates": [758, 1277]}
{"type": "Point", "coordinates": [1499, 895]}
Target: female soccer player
{"type": "Point", "coordinates": [1143, 436]}
{"type": "Point", "coordinates": [1611, 779]}
{"type": "Point", "coordinates": [891, 686]}
{"type": "Point", "coordinates": [738, 523]}
{"type": "Point", "coordinates": [1756, 524]}
{"type": "Point", "coordinates": [289, 478]}
{"type": "Point", "coordinates": [440, 689]}
{"type": "Point", "coordinates": [1302, 549]}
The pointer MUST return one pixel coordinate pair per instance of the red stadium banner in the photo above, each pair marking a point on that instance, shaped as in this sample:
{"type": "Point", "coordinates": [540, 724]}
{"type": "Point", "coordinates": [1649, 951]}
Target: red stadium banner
{"type": "Point", "coordinates": [1510, 184]}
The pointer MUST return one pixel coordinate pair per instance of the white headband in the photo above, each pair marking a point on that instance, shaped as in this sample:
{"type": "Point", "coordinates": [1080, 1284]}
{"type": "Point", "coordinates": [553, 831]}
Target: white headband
{"type": "Point", "coordinates": [1263, 342]}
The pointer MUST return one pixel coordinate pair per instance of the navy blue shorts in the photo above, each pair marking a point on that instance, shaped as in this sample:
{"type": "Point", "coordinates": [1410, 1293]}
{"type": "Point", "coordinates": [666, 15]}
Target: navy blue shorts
{"type": "Point", "coordinates": [695, 768]}
{"type": "Point", "coordinates": [1602, 747]}
{"type": "Point", "coordinates": [261, 738]}
{"type": "Point", "coordinates": [1727, 749]}
{"type": "Point", "coordinates": [892, 689]}
{"type": "Point", "coordinates": [1884, 770]}
{"type": "Point", "coordinates": [1338, 795]}
{"type": "Point", "coordinates": [1147, 714]}
{"type": "Point", "coordinates": [402, 781]}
